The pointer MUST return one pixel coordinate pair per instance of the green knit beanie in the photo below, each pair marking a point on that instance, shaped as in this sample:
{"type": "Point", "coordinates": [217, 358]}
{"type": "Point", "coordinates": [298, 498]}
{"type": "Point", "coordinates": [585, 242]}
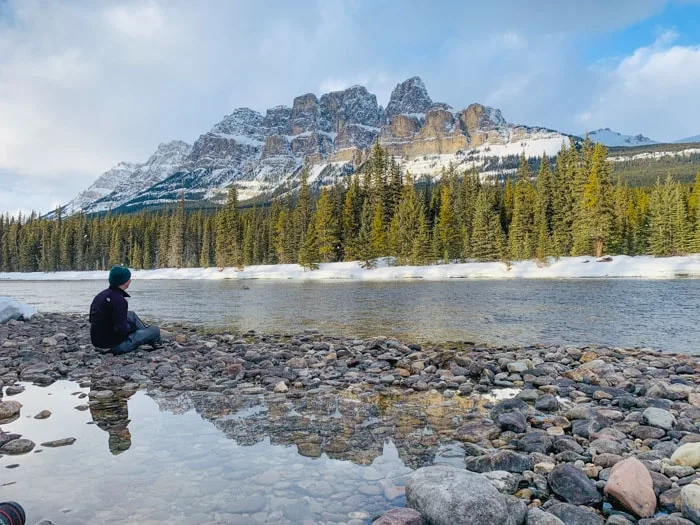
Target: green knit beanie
{"type": "Point", "coordinates": [119, 275]}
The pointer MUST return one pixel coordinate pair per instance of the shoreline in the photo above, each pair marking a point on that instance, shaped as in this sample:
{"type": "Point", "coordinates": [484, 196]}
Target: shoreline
{"type": "Point", "coordinates": [584, 267]}
{"type": "Point", "coordinates": [577, 412]}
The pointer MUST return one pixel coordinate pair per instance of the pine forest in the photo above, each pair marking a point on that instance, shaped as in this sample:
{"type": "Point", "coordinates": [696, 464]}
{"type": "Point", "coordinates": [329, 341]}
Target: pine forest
{"type": "Point", "coordinates": [567, 206]}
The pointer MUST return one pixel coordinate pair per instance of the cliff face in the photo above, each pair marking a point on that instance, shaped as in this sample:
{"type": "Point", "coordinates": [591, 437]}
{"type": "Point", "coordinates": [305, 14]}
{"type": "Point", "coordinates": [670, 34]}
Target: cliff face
{"type": "Point", "coordinates": [261, 153]}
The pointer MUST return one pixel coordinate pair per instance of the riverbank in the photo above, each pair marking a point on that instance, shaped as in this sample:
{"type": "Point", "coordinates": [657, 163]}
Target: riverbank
{"type": "Point", "coordinates": [577, 413]}
{"type": "Point", "coordinates": [619, 266]}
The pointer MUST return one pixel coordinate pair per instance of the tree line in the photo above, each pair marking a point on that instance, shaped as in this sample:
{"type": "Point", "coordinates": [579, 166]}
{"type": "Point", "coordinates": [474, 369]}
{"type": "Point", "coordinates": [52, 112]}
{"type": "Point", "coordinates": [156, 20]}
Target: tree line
{"type": "Point", "coordinates": [570, 206]}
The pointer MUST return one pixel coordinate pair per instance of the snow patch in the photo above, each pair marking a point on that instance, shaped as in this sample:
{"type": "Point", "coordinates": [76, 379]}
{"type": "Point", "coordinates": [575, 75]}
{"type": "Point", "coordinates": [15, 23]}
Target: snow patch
{"type": "Point", "coordinates": [12, 309]}
{"type": "Point", "coordinates": [620, 266]}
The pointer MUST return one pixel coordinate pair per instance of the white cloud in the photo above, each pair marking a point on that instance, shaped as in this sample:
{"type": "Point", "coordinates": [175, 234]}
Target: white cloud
{"type": "Point", "coordinates": [652, 91]}
{"type": "Point", "coordinates": [84, 85]}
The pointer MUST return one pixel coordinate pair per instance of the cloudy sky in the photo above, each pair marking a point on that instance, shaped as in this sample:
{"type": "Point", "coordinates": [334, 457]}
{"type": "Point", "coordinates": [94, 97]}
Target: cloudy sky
{"type": "Point", "coordinates": [86, 84]}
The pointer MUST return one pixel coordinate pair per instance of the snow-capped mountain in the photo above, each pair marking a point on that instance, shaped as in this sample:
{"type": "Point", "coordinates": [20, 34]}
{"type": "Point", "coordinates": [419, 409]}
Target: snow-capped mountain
{"type": "Point", "coordinates": [331, 136]}
{"type": "Point", "coordinates": [121, 183]}
{"type": "Point", "coordinates": [610, 138]}
{"type": "Point", "coordinates": [695, 138]}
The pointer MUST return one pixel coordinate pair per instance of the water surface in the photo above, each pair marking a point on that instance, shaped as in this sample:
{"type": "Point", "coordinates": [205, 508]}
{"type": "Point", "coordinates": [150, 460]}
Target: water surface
{"type": "Point", "coordinates": [662, 314]}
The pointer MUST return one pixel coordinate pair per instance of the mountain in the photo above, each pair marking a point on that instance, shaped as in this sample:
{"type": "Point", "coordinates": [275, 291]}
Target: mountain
{"type": "Point", "coordinates": [610, 138]}
{"type": "Point", "coordinates": [121, 183]}
{"type": "Point", "coordinates": [695, 138]}
{"type": "Point", "coordinates": [263, 154]}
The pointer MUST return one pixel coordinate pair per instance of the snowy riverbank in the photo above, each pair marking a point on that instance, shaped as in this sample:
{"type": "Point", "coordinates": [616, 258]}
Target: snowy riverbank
{"type": "Point", "coordinates": [620, 266]}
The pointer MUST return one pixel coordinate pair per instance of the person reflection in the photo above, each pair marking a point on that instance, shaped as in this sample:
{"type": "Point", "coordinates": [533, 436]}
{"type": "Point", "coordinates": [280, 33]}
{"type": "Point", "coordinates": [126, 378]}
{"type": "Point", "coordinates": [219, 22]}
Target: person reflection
{"type": "Point", "coordinates": [112, 416]}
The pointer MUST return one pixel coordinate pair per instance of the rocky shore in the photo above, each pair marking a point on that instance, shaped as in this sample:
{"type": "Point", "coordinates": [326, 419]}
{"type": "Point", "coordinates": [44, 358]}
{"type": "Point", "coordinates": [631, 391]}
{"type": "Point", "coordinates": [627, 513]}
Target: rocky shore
{"type": "Point", "coordinates": [593, 435]}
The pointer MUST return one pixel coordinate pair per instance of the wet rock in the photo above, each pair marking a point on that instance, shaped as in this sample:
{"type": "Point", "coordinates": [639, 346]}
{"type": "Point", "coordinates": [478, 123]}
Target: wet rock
{"type": "Point", "coordinates": [572, 485]}
{"type": "Point", "coordinates": [44, 414]}
{"type": "Point", "coordinates": [547, 403]}
{"type": "Point", "coordinates": [509, 405]}
{"type": "Point", "coordinates": [535, 442]}
{"type": "Point", "coordinates": [477, 431]}
{"type": "Point", "coordinates": [573, 515]}
{"type": "Point", "coordinates": [17, 446]}
{"type": "Point", "coordinates": [666, 520]}
{"type": "Point", "coordinates": [450, 496]}
{"type": "Point", "coordinates": [14, 390]}
{"type": "Point", "coordinates": [631, 486]}
{"type": "Point", "coordinates": [247, 505]}
{"type": "Point", "coordinates": [59, 442]}
{"type": "Point", "coordinates": [9, 409]}
{"type": "Point", "coordinates": [400, 516]}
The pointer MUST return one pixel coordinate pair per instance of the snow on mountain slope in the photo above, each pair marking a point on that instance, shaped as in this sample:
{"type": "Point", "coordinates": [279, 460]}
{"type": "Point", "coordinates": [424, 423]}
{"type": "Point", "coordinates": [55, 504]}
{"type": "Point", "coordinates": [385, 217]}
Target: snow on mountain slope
{"type": "Point", "coordinates": [694, 138]}
{"type": "Point", "coordinates": [610, 138]}
{"type": "Point", "coordinates": [330, 135]}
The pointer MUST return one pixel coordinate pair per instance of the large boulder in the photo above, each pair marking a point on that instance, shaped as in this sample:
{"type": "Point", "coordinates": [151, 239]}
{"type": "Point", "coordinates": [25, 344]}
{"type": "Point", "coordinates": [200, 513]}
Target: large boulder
{"type": "Point", "coordinates": [400, 516]}
{"type": "Point", "coordinates": [9, 409]}
{"type": "Point", "coordinates": [446, 495]}
{"type": "Point", "coordinates": [690, 502]}
{"type": "Point", "coordinates": [687, 455]}
{"type": "Point", "coordinates": [630, 484]}
{"type": "Point", "coordinates": [572, 485]}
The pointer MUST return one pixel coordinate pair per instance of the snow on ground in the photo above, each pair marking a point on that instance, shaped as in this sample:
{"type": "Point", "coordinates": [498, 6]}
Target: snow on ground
{"type": "Point", "coordinates": [621, 266]}
{"type": "Point", "coordinates": [11, 309]}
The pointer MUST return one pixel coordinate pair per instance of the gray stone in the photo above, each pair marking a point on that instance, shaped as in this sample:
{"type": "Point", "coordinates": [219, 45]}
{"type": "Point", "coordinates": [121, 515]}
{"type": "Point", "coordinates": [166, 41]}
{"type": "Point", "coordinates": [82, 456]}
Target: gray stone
{"type": "Point", "coordinates": [690, 502]}
{"type": "Point", "coordinates": [17, 446]}
{"type": "Point", "coordinates": [506, 460]}
{"type": "Point", "coordinates": [59, 442]}
{"type": "Point", "coordinates": [658, 417]}
{"type": "Point", "coordinates": [401, 516]}
{"type": "Point", "coordinates": [537, 516]}
{"type": "Point", "coordinates": [572, 485]}
{"type": "Point", "coordinates": [9, 409]}
{"type": "Point", "coordinates": [513, 421]}
{"type": "Point", "coordinates": [547, 403]}
{"type": "Point", "coordinates": [505, 482]}
{"type": "Point", "coordinates": [573, 515]}
{"type": "Point", "coordinates": [447, 495]}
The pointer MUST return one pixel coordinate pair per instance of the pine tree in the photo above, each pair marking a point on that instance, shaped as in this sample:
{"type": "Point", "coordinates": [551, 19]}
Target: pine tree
{"type": "Point", "coordinates": [408, 241]}
{"type": "Point", "coordinates": [447, 231]}
{"type": "Point", "coordinates": [487, 238]}
{"type": "Point", "coordinates": [326, 228]}
{"type": "Point", "coordinates": [544, 212]}
{"type": "Point", "coordinates": [660, 233]}
{"type": "Point", "coordinates": [522, 228]}
{"type": "Point", "coordinates": [597, 218]}
{"type": "Point", "coordinates": [205, 253]}
{"type": "Point", "coordinates": [352, 211]}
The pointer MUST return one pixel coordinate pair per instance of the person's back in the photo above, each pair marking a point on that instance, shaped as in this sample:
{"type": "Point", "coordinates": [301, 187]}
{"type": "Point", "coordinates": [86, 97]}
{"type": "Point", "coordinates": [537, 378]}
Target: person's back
{"type": "Point", "coordinates": [112, 326]}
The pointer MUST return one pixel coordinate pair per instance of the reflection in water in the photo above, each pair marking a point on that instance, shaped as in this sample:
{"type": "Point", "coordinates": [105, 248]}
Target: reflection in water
{"type": "Point", "coordinates": [112, 415]}
{"type": "Point", "coordinates": [340, 425]}
{"type": "Point", "coordinates": [203, 457]}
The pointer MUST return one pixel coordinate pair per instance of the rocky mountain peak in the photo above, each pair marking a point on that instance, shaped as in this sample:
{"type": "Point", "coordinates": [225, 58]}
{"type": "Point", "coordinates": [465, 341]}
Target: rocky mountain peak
{"type": "Point", "coordinates": [478, 117]}
{"type": "Point", "coordinates": [242, 121]}
{"type": "Point", "coordinates": [352, 105]}
{"type": "Point", "coordinates": [410, 96]}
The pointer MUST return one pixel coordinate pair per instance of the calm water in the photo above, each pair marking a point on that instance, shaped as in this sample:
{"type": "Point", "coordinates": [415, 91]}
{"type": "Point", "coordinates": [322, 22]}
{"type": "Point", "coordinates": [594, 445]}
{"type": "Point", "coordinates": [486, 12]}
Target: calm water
{"type": "Point", "coordinates": [184, 458]}
{"type": "Point", "coordinates": [620, 312]}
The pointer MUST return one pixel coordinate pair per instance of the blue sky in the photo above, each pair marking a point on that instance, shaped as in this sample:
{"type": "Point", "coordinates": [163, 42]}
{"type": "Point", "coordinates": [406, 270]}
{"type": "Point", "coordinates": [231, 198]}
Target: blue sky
{"type": "Point", "coordinates": [85, 85]}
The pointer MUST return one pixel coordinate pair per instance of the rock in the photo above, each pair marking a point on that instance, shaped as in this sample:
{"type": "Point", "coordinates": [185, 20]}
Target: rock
{"type": "Point", "coordinates": [518, 367]}
{"type": "Point", "coordinates": [509, 405]}
{"type": "Point", "coordinates": [535, 442]}
{"type": "Point", "coordinates": [59, 442]}
{"type": "Point", "coordinates": [547, 403]}
{"type": "Point", "coordinates": [506, 460]}
{"type": "Point", "coordinates": [400, 516]}
{"type": "Point", "coordinates": [573, 515]}
{"type": "Point", "coordinates": [658, 417]}
{"type": "Point", "coordinates": [607, 446]}
{"type": "Point", "coordinates": [513, 421]}
{"type": "Point", "coordinates": [9, 409]}
{"type": "Point", "coordinates": [246, 505]}
{"type": "Point", "coordinates": [572, 485]}
{"type": "Point", "coordinates": [43, 414]}
{"type": "Point", "coordinates": [666, 520]}
{"type": "Point", "coordinates": [17, 446]}
{"type": "Point", "coordinates": [281, 387]}
{"type": "Point", "coordinates": [477, 430]}
{"type": "Point", "coordinates": [631, 486]}
{"type": "Point", "coordinates": [687, 455]}
{"type": "Point", "coordinates": [504, 482]}
{"type": "Point", "coordinates": [690, 502]}
{"type": "Point", "coordinates": [14, 390]}
{"type": "Point", "coordinates": [537, 516]}
{"type": "Point", "coordinates": [447, 495]}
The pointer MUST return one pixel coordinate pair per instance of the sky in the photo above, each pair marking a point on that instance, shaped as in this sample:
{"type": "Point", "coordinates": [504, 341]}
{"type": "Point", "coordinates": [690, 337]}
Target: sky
{"type": "Point", "coordinates": [87, 84]}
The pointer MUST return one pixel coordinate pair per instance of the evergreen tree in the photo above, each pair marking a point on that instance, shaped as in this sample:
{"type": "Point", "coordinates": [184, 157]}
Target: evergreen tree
{"type": "Point", "coordinates": [447, 230]}
{"type": "Point", "coordinates": [522, 228]}
{"type": "Point", "coordinates": [597, 218]}
{"type": "Point", "coordinates": [326, 228]}
{"type": "Point", "coordinates": [544, 212]}
{"type": "Point", "coordinates": [488, 241]}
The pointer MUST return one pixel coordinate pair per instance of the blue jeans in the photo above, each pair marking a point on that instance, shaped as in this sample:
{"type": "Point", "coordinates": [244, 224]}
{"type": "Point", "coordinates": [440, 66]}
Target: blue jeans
{"type": "Point", "coordinates": [144, 335]}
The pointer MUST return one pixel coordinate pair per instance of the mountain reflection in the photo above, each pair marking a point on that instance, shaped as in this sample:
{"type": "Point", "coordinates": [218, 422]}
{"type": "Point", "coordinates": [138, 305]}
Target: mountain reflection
{"type": "Point", "coordinates": [341, 425]}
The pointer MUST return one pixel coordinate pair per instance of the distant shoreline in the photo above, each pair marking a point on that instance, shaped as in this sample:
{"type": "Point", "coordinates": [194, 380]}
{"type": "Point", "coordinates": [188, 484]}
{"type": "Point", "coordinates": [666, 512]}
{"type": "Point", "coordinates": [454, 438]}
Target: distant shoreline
{"type": "Point", "coordinates": [619, 266]}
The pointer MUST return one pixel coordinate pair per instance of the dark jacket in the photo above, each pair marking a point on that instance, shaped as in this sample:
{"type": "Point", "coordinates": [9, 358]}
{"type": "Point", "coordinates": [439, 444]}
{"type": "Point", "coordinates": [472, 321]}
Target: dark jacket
{"type": "Point", "coordinates": [108, 323]}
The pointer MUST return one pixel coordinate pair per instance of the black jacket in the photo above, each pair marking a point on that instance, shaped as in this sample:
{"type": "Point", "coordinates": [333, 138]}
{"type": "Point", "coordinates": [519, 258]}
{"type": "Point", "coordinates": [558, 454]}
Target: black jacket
{"type": "Point", "coordinates": [108, 323]}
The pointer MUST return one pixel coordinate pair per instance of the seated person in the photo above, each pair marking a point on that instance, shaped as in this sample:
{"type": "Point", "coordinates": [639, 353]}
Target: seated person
{"type": "Point", "coordinates": [113, 328]}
